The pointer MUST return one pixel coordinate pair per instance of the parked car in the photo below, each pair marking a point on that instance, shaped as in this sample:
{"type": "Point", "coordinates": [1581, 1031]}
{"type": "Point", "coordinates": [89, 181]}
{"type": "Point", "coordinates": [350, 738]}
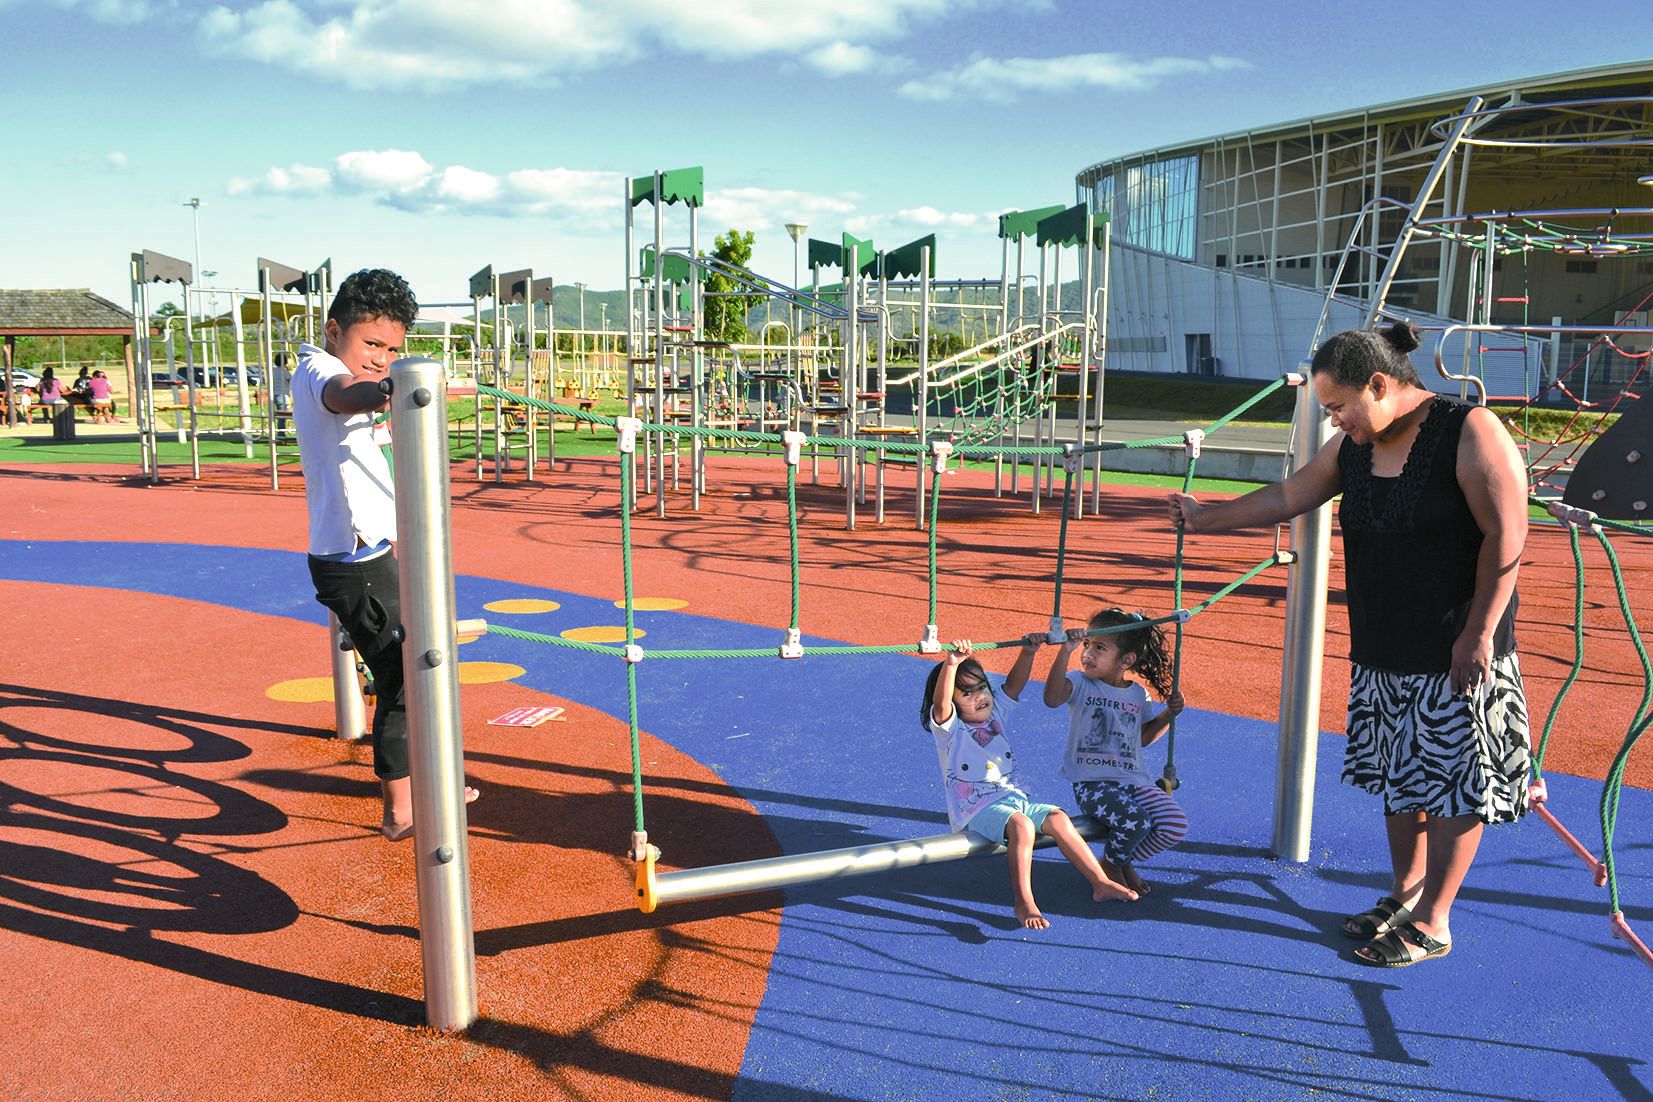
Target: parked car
{"type": "Point", "coordinates": [162, 379]}
{"type": "Point", "coordinates": [22, 379]}
{"type": "Point", "coordinates": [227, 375]}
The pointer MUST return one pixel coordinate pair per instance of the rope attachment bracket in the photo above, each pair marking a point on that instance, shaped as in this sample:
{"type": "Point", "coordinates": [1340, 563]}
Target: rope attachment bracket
{"type": "Point", "coordinates": [793, 645]}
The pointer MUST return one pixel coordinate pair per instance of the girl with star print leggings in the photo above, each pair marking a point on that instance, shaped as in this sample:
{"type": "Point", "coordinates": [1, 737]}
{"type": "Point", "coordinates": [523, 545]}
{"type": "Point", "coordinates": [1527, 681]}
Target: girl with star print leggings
{"type": "Point", "coordinates": [1140, 819]}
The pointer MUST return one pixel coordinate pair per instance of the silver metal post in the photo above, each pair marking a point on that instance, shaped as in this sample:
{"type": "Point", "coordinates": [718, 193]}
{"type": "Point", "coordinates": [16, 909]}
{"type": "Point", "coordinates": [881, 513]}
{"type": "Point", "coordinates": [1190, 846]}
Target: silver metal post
{"type": "Point", "coordinates": [349, 712]}
{"type": "Point", "coordinates": [430, 658]}
{"type": "Point", "coordinates": [1304, 648]}
{"type": "Point", "coordinates": [921, 393]}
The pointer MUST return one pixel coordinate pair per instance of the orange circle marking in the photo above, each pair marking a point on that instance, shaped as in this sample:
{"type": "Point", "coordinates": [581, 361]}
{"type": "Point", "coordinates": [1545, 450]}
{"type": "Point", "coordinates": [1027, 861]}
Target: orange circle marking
{"type": "Point", "coordinates": [654, 604]}
{"type": "Point", "coordinates": [615, 634]}
{"type": "Point", "coordinates": [487, 673]}
{"type": "Point", "coordinates": [524, 606]}
{"type": "Point", "coordinates": [302, 690]}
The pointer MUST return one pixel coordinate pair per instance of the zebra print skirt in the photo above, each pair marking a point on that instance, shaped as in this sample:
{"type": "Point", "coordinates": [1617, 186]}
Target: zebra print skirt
{"type": "Point", "coordinates": [1423, 748]}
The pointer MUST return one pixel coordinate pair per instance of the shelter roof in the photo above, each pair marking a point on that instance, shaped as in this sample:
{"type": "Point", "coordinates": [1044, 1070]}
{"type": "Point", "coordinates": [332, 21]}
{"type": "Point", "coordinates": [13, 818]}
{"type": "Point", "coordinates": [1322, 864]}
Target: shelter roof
{"type": "Point", "coordinates": [1628, 78]}
{"type": "Point", "coordinates": [68, 312]}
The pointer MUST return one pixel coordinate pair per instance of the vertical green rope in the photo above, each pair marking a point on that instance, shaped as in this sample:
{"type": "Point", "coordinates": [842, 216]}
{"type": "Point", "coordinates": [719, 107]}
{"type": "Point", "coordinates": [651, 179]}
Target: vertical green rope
{"type": "Point", "coordinates": [1169, 779]}
{"type": "Point", "coordinates": [792, 534]}
{"type": "Point", "coordinates": [1578, 653]}
{"type": "Point", "coordinates": [1638, 724]}
{"type": "Point", "coordinates": [626, 466]}
{"type": "Point", "coordinates": [935, 519]}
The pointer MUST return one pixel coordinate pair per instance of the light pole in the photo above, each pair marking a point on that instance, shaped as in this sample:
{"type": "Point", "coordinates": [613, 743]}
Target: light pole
{"type": "Point", "coordinates": [797, 231]}
{"type": "Point", "coordinates": [212, 313]}
{"type": "Point", "coordinates": [195, 206]}
{"type": "Point", "coordinates": [581, 286]}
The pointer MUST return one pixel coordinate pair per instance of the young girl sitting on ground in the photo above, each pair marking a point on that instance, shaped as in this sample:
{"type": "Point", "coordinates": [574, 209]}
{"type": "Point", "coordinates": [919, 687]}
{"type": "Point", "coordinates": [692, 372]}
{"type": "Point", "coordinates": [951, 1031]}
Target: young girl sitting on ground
{"type": "Point", "coordinates": [1108, 725]}
{"type": "Point", "coordinates": [968, 721]}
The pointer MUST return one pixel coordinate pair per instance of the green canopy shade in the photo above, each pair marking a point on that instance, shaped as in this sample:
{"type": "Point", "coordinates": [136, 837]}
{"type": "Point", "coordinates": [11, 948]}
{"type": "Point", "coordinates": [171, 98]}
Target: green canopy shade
{"type": "Point", "coordinates": [1068, 227]}
{"type": "Point", "coordinates": [908, 260]}
{"type": "Point", "coordinates": [863, 250]}
{"type": "Point", "coordinates": [825, 254]}
{"type": "Point", "coordinates": [677, 185]}
{"type": "Point", "coordinates": [1017, 224]}
{"type": "Point", "coordinates": [676, 269]}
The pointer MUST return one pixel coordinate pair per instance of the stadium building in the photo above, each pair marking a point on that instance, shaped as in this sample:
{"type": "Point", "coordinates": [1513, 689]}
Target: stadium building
{"type": "Point", "coordinates": [1224, 249]}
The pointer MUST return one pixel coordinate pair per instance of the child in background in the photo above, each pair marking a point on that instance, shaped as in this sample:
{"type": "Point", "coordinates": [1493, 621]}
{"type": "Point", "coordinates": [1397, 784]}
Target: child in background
{"type": "Point", "coordinates": [1109, 724]}
{"type": "Point", "coordinates": [100, 399]}
{"type": "Point", "coordinates": [968, 721]}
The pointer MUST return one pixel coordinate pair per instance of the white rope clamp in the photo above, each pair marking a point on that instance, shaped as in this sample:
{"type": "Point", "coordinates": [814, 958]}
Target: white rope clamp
{"type": "Point", "coordinates": [939, 451]}
{"type": "Point", "coordinates": [1057, 633]}
{"type": "Point", "coordinates": [633, 653]}
{"type": "Point", "coordinates": [639, 844]}
{"type": "Point", "coordinates": [1191, 442]}
{"type": "Point", "coordinates": [794, 442]}
{"type": "Point", "coordinates": [793, 646]}
{"type": "Point", "coordinates": [1285, 558]}
{"type": "Point", "coordinates": [628, 428]}
{"type": "Point", "coordinates": [1297, 378]}
{"type": "Point", "coordinates": [930, 643]}
{"type": "Point", "coordinates": [1073, 460]}
{"type": "Point", "coordinates": [1183, 615]}
{"type": "Point", "coordinates": [1567, 514]}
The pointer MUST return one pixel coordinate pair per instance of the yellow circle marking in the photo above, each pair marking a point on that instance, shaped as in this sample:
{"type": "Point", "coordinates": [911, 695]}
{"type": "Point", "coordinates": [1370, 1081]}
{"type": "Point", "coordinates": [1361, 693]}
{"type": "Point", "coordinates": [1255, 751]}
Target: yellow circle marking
{"type": "Point", "coordinates": [602, 635]}
{"type": "Point", "coordinates": [654, 604]}
{"type": "Point", "coordinates": [487, 673]}
{"type": "Point", "coordinates": [302, 690]}
{"type": "Point", "coordinates": [522, 606]}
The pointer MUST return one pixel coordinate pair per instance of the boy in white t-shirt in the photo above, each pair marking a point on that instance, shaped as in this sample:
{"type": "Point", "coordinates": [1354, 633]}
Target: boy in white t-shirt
{"type": "Point", "coordinates": [352, 503]}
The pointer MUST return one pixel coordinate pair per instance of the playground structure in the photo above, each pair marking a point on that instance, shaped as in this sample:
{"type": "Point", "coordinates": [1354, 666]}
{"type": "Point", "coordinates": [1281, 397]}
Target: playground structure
{"type": "Point", "coordinates": [681, 386]}
{"type": "Point", "coordinates": [1306, 557]}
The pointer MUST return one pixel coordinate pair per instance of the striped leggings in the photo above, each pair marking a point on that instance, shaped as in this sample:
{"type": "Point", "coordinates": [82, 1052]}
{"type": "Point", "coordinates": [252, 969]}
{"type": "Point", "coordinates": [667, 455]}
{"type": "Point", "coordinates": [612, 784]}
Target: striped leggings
{"type": "Point", "coordinates": [1140, 820]}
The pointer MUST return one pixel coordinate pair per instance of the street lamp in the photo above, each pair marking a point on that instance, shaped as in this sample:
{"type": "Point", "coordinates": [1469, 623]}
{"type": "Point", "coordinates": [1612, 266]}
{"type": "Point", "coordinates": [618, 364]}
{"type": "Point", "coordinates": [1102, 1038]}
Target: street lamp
{"type": "Point", "coordinates": [581, 286]}
{"type": "Point", "coordinates": [797, 231]}
{"type": "Point", "coordinates": [195, 206]}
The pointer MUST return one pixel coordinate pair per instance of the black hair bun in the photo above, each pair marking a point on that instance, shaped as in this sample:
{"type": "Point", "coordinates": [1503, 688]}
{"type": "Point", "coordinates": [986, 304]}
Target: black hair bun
{"type": "Point", "coordinates": [1402, 336]}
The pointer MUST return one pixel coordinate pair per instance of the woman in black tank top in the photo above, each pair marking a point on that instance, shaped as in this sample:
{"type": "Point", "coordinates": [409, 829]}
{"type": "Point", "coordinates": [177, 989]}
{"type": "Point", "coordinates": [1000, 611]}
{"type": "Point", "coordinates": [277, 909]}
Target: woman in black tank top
{"type": "Point", "coordinates": [1434, 516]}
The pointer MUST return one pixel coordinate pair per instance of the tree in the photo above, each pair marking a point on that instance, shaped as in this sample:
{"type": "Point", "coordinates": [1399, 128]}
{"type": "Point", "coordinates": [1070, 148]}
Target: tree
{"type": "Point", "coordinates": [726, 310]}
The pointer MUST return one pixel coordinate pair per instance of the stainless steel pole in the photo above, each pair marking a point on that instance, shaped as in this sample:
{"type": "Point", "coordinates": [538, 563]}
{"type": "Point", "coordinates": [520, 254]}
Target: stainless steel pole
{"type": "Point", "coordinates": [1304, 647]}
{"type": "Point", "coordinates": [349, 712]}
{"type": "Point", "coordinates": [430, 657]}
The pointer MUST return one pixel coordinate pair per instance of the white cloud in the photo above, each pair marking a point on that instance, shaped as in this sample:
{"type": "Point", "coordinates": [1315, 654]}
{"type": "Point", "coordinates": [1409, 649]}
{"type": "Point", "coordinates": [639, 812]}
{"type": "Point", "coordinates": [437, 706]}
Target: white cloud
{"type": "Point", "coordinates": [466, 185]}
{"type": "Point", "coordinates": [294, 180]}
{"type": "Point", "coordinates": [398, 170]}
{"type": "Point", "coordinates": [406, 180]}
{"type": "Point", "coordinates": [1005, 79]}
{"type": "Point", "coordinates": [839, 59]}
{"type": "Point", "coordinates": [431, 43]}
{"type": "Point", "coordinates": [916, 222]}
{"type": "Point", "coordinates": [116, 160]}
{"type": "Point", "coordinates": [756, 208]}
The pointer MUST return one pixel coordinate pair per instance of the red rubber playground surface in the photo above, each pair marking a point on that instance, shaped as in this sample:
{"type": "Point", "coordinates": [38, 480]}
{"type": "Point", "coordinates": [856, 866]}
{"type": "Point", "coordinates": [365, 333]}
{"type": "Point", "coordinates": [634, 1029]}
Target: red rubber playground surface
{"type": "Point", "coordinates": [194, 904]}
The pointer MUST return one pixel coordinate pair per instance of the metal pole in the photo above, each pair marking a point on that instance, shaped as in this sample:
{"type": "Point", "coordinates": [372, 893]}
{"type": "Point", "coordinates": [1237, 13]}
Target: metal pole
{"type": "Point", "coordinates": [837, 864]}
{"type": "Point", "coordinates": [1304, 647]}
{"type": "Point", "coordinates": [349, 712]}
{"type": "Point", "coordinates": [430, 646]}
{"type": "Point", "coordinates": [921, 394]}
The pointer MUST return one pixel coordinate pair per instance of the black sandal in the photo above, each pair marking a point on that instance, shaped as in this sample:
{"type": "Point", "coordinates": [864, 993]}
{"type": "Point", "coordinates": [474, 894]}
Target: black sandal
{"type": "Point", "coordinates": [1390, 950]}
{"type": "Point", "coordinates": [1388, 914]}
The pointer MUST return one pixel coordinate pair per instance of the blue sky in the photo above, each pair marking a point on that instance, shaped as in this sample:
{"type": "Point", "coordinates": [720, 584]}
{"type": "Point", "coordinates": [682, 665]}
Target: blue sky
{"type": "Point", "coordinates": [439, 136]}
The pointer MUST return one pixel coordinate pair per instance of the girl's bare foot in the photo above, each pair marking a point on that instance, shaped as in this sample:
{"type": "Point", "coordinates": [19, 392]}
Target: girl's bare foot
{"type": "Point", "coordinates": [1030, 918]}
{"type": "Point", "coordinates": [1107, 890]}
{"type": "Point", "coordinates": [1133, 881]}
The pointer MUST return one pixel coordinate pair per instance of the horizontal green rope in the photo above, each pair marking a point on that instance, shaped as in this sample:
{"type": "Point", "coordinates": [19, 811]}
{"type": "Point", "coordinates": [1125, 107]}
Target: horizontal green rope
{"type": "Point", "coordinates": [1272, 560]}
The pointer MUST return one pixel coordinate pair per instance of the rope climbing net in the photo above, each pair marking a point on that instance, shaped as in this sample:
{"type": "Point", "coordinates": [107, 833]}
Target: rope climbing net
{"type": "Point", "coordinates": [938, 453]}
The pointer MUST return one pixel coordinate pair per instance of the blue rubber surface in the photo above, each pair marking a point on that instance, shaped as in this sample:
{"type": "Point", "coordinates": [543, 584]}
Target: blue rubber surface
{"type": "Point", "coordinates": [1230, 981]}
